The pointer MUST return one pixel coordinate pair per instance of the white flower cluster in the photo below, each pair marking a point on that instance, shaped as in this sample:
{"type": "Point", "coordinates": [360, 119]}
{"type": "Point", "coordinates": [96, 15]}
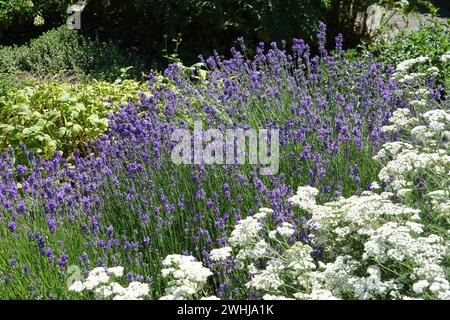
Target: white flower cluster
{"type": "Point", "coordinates": [286, 229]}
{"type": "Point", "coordinates": [99, 281]}
{"type": "Point", "coordinates": [445, 57]}
{"type": "Point", "coordinates": [272, 297]}
{"type": "Point", "coordinates": [187, 277]}
{"type": "Point", "coordinates": [400, 120]}
{"type": "Point", "coordinates": [403, 74]}
{"type": "Point", "coordinates": [408, 64]}
{"type": "Point", "coordinates": [438, 121]}
{"type": "Point", "coordinates": [422, 156]}
{"type": "Point", "coordinates": [262, 214]}
{"type": "Point", "coordinates": [440, 201]}
{"type": "Point", "coordinates": [340, 221]}
{"type": "Point", "coordinates": [368, 240]}
{"type": "Point", "coordinates": [391, 149]}
{"type": "Point", "coordinates": [245, 232]}
{"type": "Point", "coordinates": [221, 254]}
{"type": "Point", "coordinates": [246, 240]}
{"type": "Point", "coordinates": [400, 173]}
{"type": "Point", "coordinates": [418, 104]}
{"type": "Point", "coordinates": [374, 248]}
{"type": "Point", "coordinates": [305, 198]}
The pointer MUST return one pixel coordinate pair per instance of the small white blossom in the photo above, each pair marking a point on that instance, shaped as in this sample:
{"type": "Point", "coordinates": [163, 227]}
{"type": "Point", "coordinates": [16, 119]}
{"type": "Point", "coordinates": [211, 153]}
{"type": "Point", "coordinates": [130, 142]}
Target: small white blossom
{"type": "Point", "coordinates": [420, 285]}
{"type": "Point", "coordinates": [262, 213]}
{"type": "Point", "coordinates": [77, 286]}
{"type": "Point", "coordinates": [116, 271]}
{"type": "Point", "coordinates": [245, 232]}
{"type": "Point", "coordinates": [220, 254]}
{"type": "Point", "coordinates": [98, 281]}
{"type": "Point", "coordinates": [286, 229]}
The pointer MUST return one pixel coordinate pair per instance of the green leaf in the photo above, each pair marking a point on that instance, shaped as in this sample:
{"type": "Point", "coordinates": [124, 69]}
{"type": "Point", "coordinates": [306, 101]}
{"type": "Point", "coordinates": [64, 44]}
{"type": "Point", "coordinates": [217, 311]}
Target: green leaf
{"type": "Point", "coordinates": [76, 130]}
{"type": "Point", "coordinates": [62, 132]}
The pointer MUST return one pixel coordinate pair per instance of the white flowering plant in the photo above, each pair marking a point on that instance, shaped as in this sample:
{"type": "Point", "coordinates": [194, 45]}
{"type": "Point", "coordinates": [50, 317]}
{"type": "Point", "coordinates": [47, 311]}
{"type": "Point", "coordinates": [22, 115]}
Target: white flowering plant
{"type": "Point", "coordinates": [372, 249]}
{"type": "Point", "coordinates": [416, 167]}
{"type": "Point", "coordinates": [393, 244]}
{"type": "Point", "coordinates": [102, 283]}
{"type": "Point", "coordinates": [187, 277]}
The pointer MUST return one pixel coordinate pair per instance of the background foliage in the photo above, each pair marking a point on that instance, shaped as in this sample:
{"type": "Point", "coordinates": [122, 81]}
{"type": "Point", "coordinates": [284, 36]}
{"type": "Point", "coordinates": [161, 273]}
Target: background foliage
{"type": "Point", "coordinates": [431, 40]}
{"type": "Point", "coordinates": [140, 25]}
{"type": "Point", "coordinates": [62, 52]}
{"type": "Point", "coordinates": [48, 115]}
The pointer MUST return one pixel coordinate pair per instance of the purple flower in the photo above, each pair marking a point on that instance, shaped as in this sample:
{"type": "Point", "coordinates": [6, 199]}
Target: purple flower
{"type": "Point", "coordinates": [326, 108]}
{"type": "Point", "coordinates": [21, 208]}
{"type": "Point", "coordinates": [49, 254]}
{"type": "Point", "coordinates": [110, 231]}
{"type": "Point", "coordinates": [339, 41]}
{"type": "Point", "coordinates": [147, 241]}
{"type": "Point", "coordinates": [12, 262]}
{"type": "Point", "coordinates": [21, 170]}
{"type": "Point", "coordinates": [12, 226]}
{"type": "Point", "coordinates": [51, 225]}
{"type": "Point", "coordinates": [25, 269]}
{"type": "Point", "coordinates": [62, 262]}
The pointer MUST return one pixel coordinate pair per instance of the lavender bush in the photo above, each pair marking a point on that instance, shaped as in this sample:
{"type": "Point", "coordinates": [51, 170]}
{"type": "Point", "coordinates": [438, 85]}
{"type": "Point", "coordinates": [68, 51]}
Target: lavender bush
{"type": "Point", "coordinates": [127, 204]}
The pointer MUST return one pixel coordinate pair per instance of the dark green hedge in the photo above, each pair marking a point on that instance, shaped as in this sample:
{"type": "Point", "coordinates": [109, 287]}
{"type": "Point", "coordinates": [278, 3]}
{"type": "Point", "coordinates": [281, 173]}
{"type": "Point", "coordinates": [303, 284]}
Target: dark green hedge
{"type": "Point", "coordinates": [140, 25]}
{"type": "Point", "coordinates": [203, 24]}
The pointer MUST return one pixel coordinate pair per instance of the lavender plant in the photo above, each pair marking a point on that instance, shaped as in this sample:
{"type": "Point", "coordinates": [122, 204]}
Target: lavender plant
{"type": "Point", "coordinates": [127, 204]}
{"type": "Point", "coordinates": [391, 245]}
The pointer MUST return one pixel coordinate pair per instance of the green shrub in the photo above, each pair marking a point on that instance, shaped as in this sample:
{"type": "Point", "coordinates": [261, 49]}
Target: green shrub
{"type": "Point", "coordinates": [17, 12]}
{"type": "Point", "coordinates": [140, 25]}
{"type": "Point", "coordinates": [204, 24]}
{"type": "Point", "coordinates": [50, 115]}
{"type": "Point", "coordinates": [62, 52]}
{"type": "Point", "coordinates": [431, 40]}
{"type": "Point", "coordinates": [410, 5]}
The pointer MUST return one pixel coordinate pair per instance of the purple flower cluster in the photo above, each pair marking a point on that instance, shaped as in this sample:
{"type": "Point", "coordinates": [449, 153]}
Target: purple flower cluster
{"type": "Point", "coordinates": [127, 204]}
